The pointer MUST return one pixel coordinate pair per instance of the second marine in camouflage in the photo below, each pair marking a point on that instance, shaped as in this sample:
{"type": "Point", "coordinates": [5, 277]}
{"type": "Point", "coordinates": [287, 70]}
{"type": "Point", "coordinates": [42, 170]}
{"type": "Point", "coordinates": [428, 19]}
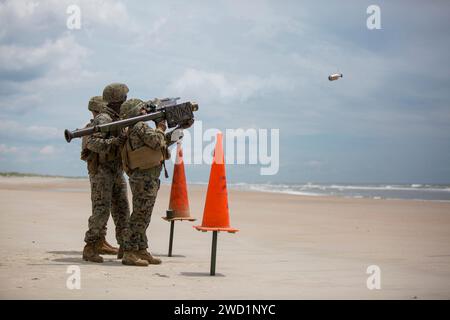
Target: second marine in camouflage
{"type": "Point", "coordinates": [143, 155]}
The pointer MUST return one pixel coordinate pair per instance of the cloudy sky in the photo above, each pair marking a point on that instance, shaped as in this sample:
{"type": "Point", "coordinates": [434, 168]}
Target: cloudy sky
{"type": "Point", "coordinates": [249, 64]}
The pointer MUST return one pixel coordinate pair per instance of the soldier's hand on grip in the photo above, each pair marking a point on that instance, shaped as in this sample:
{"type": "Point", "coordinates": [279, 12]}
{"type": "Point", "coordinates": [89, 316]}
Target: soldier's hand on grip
{"type": "Point", "coordinates": [188, 124]}
{"type": "Point", "coordinates": [161, 126]}
{"type": "Point", "coordinates": [120, 140]}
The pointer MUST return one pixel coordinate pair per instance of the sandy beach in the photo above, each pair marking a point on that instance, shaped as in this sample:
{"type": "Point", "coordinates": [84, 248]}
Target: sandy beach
{"type": "Point", "coordinates": [288, 247]}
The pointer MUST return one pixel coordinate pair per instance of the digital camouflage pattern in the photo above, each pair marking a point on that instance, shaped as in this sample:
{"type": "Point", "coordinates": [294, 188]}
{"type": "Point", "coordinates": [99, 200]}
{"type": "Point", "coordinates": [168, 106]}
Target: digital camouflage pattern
{"type": "Point", "coordinates": [108, 195]}
{"type": "Point", "coordinates": [144, 185]}
{"type": "Point", "coordinates": [131, 108]}
{"type": "Point", "coordinates": [108, 185]}
{"type": "Point", "coordinates": [101, 143]}
{"type": "Point", "coordinates": [96, 104]}
{"type": "Point", "coordinates": [115, 92]}
{"type": "Point", "coordinates": [141, 134]}
{"type": "Point", "coordinates": [86, 154]}
{"type": "Point", "coordinates": [92, 165]}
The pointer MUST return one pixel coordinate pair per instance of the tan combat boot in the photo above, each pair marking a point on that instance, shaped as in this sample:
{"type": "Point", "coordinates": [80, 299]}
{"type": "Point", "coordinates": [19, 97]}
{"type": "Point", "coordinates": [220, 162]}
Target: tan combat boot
{"type": "Point", "coordinates": [130, 258]}
{"type": "Point", "coordinates": [120, 253]}
{"type": "Point", "coordinates": [145, 255]}
{"type": "Point", "coordinates": [90, 253]}
{"type": "Point", "coordinates": [105, 248]}
{"type": "Point", "coordinates": [110, 245]}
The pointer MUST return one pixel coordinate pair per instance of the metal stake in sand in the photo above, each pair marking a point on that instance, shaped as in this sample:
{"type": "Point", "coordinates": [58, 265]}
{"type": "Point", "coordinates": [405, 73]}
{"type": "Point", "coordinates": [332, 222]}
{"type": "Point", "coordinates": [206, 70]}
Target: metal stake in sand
{"type": "Point", "coordinates": [172, 226]}
{"type": "Point", "coordinates": [170, 218]}
{"type": "Point", "coordinates": [213, 253]}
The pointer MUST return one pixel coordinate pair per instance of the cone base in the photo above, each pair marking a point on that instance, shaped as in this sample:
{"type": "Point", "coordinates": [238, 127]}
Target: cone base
{"type": "Point", "coordinates": [179, 218]}
{"type": "Point", "coordinates": [204, 229]}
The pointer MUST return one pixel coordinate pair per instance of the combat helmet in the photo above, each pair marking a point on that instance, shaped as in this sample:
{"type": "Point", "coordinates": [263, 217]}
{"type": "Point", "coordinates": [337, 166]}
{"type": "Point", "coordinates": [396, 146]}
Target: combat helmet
{"type": "Point", "coordinates": [131, 108]}
{"type": "Point", "coordinates": [115, 92]}
{"type": "Point", "coordinates": [96, 104]}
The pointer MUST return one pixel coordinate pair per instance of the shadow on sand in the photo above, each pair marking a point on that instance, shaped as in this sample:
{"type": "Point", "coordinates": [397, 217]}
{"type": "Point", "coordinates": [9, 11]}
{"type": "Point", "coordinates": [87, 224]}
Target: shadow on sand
{"type": "Point", "coordinates": [73, 260]}
{"type": "Point", "coordinates": [69, 253]}
{"type": "Point", "coordinates": [200, 274]}
{"type": "Point", "coordinates": [166, 256]}
{"type": "Point", "coordinates": [75, 257]}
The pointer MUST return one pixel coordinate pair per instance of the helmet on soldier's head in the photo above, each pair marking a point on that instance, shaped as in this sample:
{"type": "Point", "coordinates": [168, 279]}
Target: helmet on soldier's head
{"type": "Point", "coordinates": [96, 104]}
{"type": "Point", "coordinates": [131, 108]}
{"type": "Point", "coordinates": [115, 92]}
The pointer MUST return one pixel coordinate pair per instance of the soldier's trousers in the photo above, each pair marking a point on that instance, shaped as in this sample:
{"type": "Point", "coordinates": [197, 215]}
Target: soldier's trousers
{"type": "Point", "coordinates": [144, 186]}
{"type": "Point", "coordinates": [108, 195]}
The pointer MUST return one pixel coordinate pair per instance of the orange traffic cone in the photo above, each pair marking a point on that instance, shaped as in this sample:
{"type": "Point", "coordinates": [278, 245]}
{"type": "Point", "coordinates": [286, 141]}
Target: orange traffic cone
{"type": "Point", "coordinates": [179, 203]}
{"type": "Point", "coordinates": [215, 215]}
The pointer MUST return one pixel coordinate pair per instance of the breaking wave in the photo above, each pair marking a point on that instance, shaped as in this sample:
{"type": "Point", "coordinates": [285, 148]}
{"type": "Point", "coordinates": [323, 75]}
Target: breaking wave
{"type": "Point", "coordinates": [374, 191]}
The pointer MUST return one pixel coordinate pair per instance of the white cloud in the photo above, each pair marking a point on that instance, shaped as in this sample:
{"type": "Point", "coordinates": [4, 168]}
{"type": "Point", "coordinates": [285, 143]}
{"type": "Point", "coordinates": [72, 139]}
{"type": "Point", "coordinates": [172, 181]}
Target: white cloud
{"type": "Point", "coordinates": [39, 54]}
{"type": "Point", "coordinates": [4, 149]}
{"type": "Point", "coordinates": [62, 55]}
{"type": "Point", "coordinates": [21, 9]}
{"type": "Point", "coordinates": [48, 132]}
{"type": "Point", "coordinates": [48, 17]}
{"type": "Point", "coordinates": [214, 87]}
{"type": "Point", "coordinates": [9, 128]}
{"type": "Point", "coordinates": [111, 13]}
{"type": "Point", "coordinates": [48, 150]}
{"type": "Point", "coordinates": [19, 103]}
{"type": "Point", "coordinates": [150, 35]}
{"type": "Point", "coordinates": [17, 156]}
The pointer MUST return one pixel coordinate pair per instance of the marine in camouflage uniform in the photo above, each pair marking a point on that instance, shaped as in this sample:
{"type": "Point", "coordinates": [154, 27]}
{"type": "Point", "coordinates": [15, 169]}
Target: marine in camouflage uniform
{"type": "Point", "coordinates": [108, 186]}
{"type": "Point", "coordinates": [144, 180]}
{"type": "Point", "coordinates": [96, 105]}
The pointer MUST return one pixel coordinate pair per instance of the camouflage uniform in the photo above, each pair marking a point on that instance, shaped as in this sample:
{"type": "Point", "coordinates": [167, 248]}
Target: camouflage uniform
{"type": "Point", "coordinates": [144, 185]}
{"type": "Point", "coordinates": [90, 163]}
{"type": "Point", "coordinates": [108, 185]}
{"type": "Point", "coordinates": [96, 106]}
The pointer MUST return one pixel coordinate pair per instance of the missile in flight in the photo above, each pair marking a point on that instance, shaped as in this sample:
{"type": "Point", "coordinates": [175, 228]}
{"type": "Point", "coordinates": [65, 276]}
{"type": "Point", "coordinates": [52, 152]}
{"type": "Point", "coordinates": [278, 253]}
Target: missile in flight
{"type": "Point", "coordinates": [335, 76]}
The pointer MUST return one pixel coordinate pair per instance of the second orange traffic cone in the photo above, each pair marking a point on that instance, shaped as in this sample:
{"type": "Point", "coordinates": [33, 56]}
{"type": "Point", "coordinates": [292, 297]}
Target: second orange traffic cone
{"type": "Point", "coordinates": [215, 215]}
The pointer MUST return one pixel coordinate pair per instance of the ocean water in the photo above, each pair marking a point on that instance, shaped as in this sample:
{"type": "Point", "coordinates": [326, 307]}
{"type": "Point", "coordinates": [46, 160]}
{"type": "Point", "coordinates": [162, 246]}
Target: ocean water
{"type": "Point", "coordinates": [374, 191]}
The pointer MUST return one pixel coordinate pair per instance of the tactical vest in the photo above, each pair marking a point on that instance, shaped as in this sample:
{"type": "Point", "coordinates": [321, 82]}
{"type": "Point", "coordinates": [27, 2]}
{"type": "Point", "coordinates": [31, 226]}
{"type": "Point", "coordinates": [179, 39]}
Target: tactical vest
{"type": "Point", "coordinates": [143, 157]}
